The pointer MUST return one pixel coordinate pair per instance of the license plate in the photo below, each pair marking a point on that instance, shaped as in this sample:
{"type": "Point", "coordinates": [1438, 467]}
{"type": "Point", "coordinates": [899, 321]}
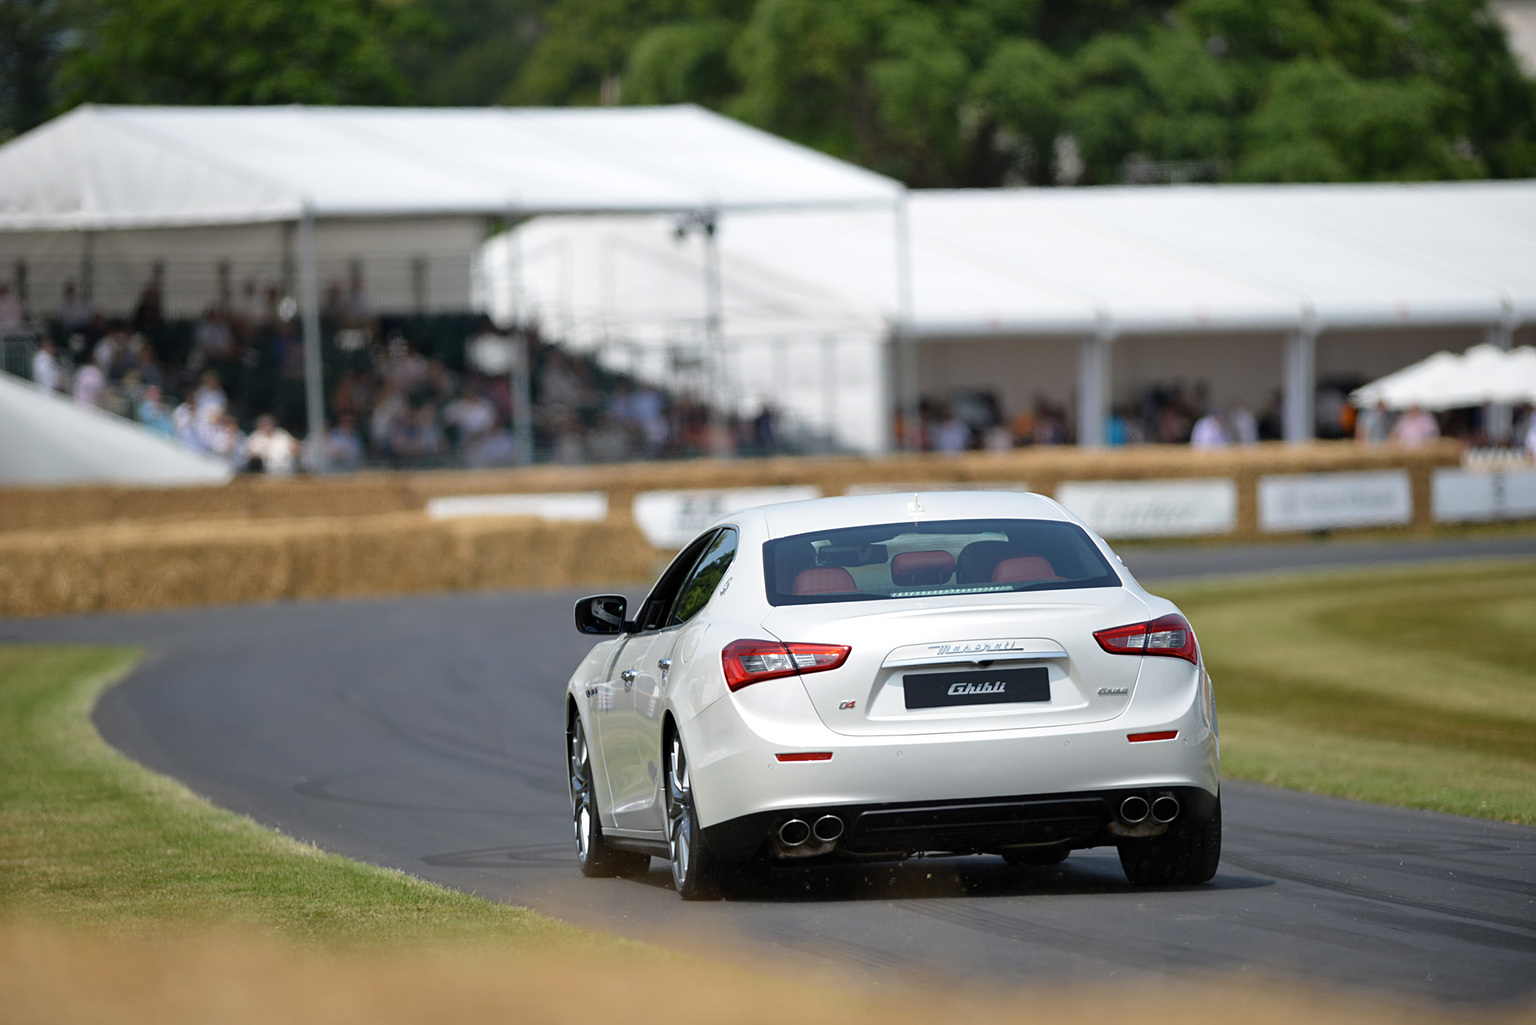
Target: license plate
{"type": "Point", "coordinates": [977, 687]}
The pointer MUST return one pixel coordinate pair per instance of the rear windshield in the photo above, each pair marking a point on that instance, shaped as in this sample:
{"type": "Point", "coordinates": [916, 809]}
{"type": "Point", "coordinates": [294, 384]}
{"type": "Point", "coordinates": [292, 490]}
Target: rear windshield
{"type": "Point", "coordinates": [924, 560]}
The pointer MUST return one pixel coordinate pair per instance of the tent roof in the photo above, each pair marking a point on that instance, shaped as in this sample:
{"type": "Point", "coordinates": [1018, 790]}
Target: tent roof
{"type": "Point", "coordinates": [1481, 375]}
{"type": "Point", "coordinates": [1144, 260]}
{"type": "Point", "coordinates": [117, 167]}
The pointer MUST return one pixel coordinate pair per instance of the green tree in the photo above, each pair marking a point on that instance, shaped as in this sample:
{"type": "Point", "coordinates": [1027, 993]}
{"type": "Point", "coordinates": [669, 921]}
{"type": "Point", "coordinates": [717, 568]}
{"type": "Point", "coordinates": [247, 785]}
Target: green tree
{"type": "Point", "coordinates": [239, 52]}
{"type": "Point", "coordinates": [32, 33]}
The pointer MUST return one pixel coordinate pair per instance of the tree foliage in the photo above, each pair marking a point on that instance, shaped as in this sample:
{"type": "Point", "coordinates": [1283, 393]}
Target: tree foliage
{"type": "Point", "coordinates": [936, 92]}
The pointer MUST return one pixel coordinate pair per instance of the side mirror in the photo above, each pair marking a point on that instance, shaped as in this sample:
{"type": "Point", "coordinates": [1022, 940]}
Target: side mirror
{"type": "Point", "coordinates": [602, 614]}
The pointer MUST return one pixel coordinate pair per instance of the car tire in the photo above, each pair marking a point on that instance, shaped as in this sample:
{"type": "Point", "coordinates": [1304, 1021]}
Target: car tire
{"type": "Point", "coordinates": [596, 857]}
{"type": "Point", "coordinates": [1185, 857]}
{"type": "Point", "coordinates": [696, 873]}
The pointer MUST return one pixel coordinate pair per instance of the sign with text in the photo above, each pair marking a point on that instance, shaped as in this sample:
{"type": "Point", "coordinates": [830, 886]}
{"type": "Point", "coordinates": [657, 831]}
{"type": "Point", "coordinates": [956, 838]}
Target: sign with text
{"type": "Point", "coordinates": [1463, 496]}
{"type": "Point", "coordinates": [1153, 508]}
{"type": "Point", "coordinates": [1322, 501]}
{"type": "Point", "coordinates": [670, 519]}
{"type": "Point", "coordinates": [569, 506]}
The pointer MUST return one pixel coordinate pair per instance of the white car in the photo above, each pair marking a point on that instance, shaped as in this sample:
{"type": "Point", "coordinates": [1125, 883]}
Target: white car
{"type": "Point", "coordinates": [870, 678]}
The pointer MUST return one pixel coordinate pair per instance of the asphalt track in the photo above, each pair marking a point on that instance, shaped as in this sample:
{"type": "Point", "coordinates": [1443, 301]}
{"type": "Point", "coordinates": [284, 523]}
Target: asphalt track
{"type": "Point", "coordinates": [425, 734]}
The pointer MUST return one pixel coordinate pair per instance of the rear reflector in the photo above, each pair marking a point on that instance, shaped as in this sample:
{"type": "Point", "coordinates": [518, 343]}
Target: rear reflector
{"type": "Point", "coordinates": [1137, 738]}
{"type": "Point", "coordinates": [753, 661]}
{"type": "Point", "coordinates": [805, 756]}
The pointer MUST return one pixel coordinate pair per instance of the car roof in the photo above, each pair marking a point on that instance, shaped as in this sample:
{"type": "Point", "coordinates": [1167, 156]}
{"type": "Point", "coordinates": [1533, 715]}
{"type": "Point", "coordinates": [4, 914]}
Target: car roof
{"type": "Point", "coordinates": [790, 518]}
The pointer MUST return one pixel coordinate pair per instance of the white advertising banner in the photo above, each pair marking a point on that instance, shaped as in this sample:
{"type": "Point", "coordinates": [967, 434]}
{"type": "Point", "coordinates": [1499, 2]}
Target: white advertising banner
{"type": "Point", "coordinates": [913, 487]}
{"type": "Point", "coordinates": [670, 519]}
{"type": "Point", "coordinates": [1153, 508]}
{"type": "Point", "coordinates": [1461, 496]}
{"type": "Point", "coordinates": [1321, 501]}
{"type": "Point", "coordinates": [569, 506]}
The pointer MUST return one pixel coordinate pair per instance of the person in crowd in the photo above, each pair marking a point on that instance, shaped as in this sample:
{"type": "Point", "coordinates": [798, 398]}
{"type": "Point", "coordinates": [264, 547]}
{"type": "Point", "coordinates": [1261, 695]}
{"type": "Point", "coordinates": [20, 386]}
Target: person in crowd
{"type": "Point", "coordinates": [343, 450]}
{"type": "Point", "coordinates": [189, 425]}
{"type": "Point", "coordinates": [74, 312]}
{"type": "Point", "coordinates": [147, 316]}
{"type": "Point", "coordinates": [12, 317]}
{"type": "Point", "coordinates": [90, 382]}
{"type": "Point", "coordinates": [47, 372]}
{"type": "Point", "coordinates": [226, 442]}
{"type": "Point", "coordinates": [1529, 435]}
{"type": "Point", "coordinates": [470, 415]}
{"type": "Point", "coordinates": [1415, 429]}
{"type": "Point", "coordinates": [1242, 425]}
{"type": "Point", "coordinates": [1373, 425]}
{"type": "Point", "coordinates": [952, 434]}
{"type": "Point", "coordinates": [154, 414]}
{"type": "Point", "coordinates": [1210, 431]}
{"type": "Point", "coordinates": [213, 339]}
{"type": "Point", "coordinates": [270, 449]}
{"type": "Point", "coordinates": [211, 399]}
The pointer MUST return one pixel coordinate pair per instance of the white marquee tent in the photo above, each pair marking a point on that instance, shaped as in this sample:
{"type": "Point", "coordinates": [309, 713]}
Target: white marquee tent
{"type": "Point", "coordinates": [1086, 270]}
{"type": "Point", "coordinates": [1483, 375]}
{"type": "Point", "coordinates": [311, 186]}
{"type": "Point", "coordinates": [49, 440]}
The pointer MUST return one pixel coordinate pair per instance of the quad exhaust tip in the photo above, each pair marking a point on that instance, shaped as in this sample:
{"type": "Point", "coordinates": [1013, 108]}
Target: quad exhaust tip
{"type": "Point", "coordinates": [827, 828]}
{"type": "Point", "coordinates": [1165, 809]}
{"type": "Point", "coordinates": [1134, 809]}
{"type": "Point", "coordinates": [794, 833]}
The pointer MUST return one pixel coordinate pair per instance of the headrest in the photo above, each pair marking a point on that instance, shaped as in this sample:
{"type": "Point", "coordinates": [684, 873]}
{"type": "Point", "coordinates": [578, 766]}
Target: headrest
{"type": "Point", "coordinates": [825, 580]}
{"type": "Point", "coordinates": [922, 569]}
{"type": "Point", "coordinates": [1024, 569]}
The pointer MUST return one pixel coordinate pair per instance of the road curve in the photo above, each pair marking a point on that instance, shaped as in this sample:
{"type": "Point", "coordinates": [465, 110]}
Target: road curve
{"type": "Point", "coordinates": [424, 734]}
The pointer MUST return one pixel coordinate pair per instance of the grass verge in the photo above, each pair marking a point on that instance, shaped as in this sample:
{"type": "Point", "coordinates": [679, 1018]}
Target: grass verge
{"type": "Point", "coordinates": [1413, 687]}
{"type": "Point", "coordinates": [89, 838]}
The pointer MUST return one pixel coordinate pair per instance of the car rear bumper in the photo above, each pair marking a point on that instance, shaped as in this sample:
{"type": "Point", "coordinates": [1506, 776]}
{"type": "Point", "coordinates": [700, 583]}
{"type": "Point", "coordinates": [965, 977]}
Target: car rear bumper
{"type": "Point", "coordinates": [993, 825]}
{"type": "Point", "coordinates": [982, 790]}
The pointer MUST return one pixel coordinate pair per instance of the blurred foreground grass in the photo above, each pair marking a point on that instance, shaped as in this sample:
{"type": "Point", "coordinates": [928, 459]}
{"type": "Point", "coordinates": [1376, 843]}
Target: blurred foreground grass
{"type": "Point", "coordinates": [1413, 687]}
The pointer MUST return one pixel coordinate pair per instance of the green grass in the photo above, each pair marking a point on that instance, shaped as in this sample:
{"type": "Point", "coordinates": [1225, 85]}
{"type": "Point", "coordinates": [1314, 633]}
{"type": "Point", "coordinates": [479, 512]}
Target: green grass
{"type": "Point", "coordinates": [1413, 686]}
{"type": "Point", "coordinates": [90, 839]}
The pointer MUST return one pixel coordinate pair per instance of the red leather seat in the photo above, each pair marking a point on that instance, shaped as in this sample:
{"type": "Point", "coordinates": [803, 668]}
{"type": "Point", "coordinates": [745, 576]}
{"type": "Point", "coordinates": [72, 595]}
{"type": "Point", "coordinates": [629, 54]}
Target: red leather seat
{"type": "Point", "coordinates": [915, 569]}
{"type": "Point", "coordinates": [1024, 569]}
{"type": "Point", "coordinates": [824, 580]}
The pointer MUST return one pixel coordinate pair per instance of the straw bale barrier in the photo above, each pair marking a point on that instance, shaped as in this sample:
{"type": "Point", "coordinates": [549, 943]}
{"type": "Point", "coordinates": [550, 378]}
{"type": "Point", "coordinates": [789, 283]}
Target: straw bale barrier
{"type": "Point", "coordinates": [135, 566]}
{"type": "Point", "coordinates": [371, 494]}
{"type": "Point", "coordinates": [84, 549]}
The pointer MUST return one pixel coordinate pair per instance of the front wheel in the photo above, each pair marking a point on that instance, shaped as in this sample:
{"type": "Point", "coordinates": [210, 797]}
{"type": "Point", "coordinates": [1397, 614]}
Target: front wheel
{"type": "Point", "coordinates": [592, 851]}
{"type": "Point", "coordinates": [696, 872]}
{"type": "Point", "coordinates": [1185, 857]}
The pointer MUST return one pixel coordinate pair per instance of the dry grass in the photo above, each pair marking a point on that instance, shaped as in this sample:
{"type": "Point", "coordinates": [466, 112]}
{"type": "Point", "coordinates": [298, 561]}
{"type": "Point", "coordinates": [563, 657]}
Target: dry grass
{"type": "Point", "coordinates": [62, 978]}
{"type": "Point", "coordinates": [138, 565]}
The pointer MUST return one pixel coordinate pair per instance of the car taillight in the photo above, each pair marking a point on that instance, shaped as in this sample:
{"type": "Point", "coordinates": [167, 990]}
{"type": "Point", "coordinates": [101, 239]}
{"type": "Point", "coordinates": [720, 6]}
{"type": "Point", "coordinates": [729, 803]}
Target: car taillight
{"type": "Point", "coordinates": [1166, 635]}
{"type": "Point", "coordinates": [748, 662]}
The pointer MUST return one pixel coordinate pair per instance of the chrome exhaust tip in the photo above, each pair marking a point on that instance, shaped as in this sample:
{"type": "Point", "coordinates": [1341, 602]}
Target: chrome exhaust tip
{"type": "Point", "coordinates": [1165, 809]}
{"type": "Point", "coordinates": [1133, 810]}
{"type": "Point", "coordinates": [794, 833]}
{"type": "Point", "coordinates": [828, 828]}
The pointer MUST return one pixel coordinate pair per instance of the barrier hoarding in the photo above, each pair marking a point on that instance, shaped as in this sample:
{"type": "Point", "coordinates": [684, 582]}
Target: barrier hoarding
{"type": "Point", "coordinates": [1463, 496]}
{"type": "Point", "coordinates": [570, 507]}
{"type": "Point", "coordinates": [670, 519]}
{"type": "Point", "coordinates": [1153, 508]}
{"type": "Point", "coordinates": [1322, 501]}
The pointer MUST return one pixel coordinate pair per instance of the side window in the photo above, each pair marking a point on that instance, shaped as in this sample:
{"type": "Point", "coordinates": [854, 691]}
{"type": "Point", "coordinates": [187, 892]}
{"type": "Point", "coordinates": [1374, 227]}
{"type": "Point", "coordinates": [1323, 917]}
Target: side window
{"type": "Point", "coordinates": [706, 576]}
{"type": "Point", "coordinates": [653, 614]}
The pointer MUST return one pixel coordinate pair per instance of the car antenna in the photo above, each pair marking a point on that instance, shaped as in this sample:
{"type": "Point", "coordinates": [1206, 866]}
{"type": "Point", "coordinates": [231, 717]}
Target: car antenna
{"type": "Point", "coordinates": [915, 507]}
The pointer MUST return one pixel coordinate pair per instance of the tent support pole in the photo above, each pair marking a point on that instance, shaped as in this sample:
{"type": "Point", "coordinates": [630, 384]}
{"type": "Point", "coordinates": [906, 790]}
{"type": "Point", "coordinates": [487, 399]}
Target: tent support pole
{"type": "Point", "coordinates": [906, 374]}
{"type": "Point", "coordinates": [314, 384]}
{"type": "Point", "coordinates": [721, 404]}
{"type": "Point", "coordinates": [1300, 384]}
{"type": "Point", "coordinates": [1498, 417]}
{"type": "Point", "coordinates": [1093, 385]}
{"type": "Point", "coordinates": [88, 270]}
{"type": "Point", "coordinates": [521, 383]}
